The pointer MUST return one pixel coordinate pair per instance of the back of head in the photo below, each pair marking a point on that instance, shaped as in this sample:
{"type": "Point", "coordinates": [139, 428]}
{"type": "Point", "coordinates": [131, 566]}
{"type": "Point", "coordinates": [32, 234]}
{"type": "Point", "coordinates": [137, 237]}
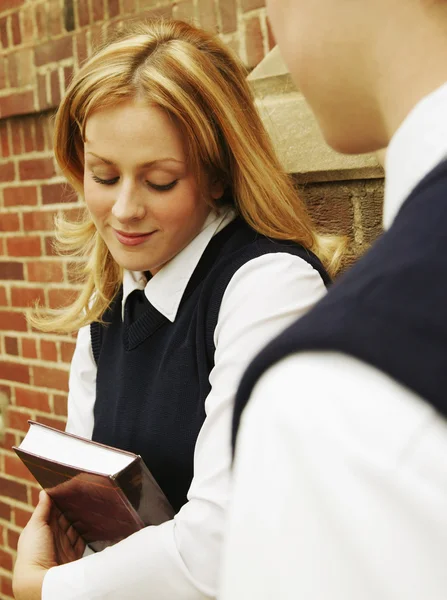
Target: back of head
{"type": "Point", "coordinates": [362, 64]}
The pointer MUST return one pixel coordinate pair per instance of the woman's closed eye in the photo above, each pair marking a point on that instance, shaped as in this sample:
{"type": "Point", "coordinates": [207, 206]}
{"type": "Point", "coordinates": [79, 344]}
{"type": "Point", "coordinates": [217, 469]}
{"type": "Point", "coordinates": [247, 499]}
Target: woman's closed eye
{"type": "Point", "coordinates": [155, 186]}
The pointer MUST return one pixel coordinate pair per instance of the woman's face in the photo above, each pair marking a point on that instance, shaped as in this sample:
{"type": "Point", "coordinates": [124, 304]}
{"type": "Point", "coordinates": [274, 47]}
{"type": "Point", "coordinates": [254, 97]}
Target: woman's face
{"type": "Point", "coordinates": [142, 196]}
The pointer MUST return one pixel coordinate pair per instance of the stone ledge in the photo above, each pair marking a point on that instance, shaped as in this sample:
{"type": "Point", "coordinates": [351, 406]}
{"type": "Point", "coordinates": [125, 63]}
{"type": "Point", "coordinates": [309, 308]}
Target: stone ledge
{"type": "Point", "coordinates": [295, 133]}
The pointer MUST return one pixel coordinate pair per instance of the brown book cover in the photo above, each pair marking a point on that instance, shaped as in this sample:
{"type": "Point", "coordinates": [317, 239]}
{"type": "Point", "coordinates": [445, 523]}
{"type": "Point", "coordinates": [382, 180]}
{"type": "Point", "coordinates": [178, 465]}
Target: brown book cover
{"type": "Point", "coordinates": [104, 507]}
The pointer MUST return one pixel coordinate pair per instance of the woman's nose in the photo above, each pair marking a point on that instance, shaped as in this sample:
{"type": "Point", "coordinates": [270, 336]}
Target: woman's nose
{"type": "Point", "coordinates": [128, 205]}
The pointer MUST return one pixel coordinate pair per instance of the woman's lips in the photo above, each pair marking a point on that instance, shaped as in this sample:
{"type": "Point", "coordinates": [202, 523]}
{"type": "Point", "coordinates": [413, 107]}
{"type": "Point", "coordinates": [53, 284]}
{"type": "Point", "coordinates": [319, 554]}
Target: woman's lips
{"type": "Point", "coordinates": [132, 239]}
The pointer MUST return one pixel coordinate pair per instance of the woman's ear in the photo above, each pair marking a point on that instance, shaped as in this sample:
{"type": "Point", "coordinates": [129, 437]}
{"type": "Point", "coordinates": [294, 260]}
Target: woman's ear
{"type": "Point", "coordinates": [217, 189]}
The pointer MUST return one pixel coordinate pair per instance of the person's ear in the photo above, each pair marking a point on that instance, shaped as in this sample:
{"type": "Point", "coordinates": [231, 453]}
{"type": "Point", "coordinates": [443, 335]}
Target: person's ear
{"type": "Point", "coordinates": [216, 189]}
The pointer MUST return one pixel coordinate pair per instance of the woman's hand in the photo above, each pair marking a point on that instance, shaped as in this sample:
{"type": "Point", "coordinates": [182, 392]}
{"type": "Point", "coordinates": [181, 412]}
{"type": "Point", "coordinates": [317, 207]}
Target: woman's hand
{"type": "Point", "coordinates": [48, 540]}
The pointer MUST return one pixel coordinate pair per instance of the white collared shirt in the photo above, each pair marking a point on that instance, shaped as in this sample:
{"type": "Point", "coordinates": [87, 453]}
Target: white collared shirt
{"type": "Point", "coordinates": [340, 479]}
{"type": "Point", "coordinates": [179, 560]}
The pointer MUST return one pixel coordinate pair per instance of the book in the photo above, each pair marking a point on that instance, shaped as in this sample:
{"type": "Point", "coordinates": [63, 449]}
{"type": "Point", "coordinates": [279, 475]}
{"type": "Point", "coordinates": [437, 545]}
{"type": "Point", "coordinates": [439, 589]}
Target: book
{"type": "Point", "coordinates": [105, 493]}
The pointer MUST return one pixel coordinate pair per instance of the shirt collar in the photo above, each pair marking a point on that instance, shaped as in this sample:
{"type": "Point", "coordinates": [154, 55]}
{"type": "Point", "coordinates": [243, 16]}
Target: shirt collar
{"type": "Point", "coordinates": [165, 290]}
{"type": "Point", "coordinates": [417, 147]}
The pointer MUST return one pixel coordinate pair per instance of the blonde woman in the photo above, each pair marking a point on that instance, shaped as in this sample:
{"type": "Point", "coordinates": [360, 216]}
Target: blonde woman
{"type": "Point", "coordinates": [198, 253]}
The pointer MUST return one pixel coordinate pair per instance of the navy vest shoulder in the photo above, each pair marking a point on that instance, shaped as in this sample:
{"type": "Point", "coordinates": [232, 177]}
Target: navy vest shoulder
{"type": "Point", "coordinates": [153, 375]}
{"type": "Point", "coordinates": [389, 310]}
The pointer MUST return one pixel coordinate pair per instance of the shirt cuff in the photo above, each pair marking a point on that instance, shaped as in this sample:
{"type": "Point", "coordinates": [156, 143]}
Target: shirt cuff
{"type": "Point", "coordinates": [145, 565]}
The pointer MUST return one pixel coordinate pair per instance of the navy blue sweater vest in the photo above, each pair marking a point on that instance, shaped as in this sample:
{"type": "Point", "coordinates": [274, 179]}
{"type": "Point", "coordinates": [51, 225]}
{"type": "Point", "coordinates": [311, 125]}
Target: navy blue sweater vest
{"type": "Point", "coordinates": [389, 310]}
{"type": "Point", "coordinates": [153, 375]}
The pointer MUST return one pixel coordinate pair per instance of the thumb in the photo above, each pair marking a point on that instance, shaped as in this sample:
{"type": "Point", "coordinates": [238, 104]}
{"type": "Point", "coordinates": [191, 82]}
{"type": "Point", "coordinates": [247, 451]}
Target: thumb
{"type": "Point", "coordinates": [43, 509]}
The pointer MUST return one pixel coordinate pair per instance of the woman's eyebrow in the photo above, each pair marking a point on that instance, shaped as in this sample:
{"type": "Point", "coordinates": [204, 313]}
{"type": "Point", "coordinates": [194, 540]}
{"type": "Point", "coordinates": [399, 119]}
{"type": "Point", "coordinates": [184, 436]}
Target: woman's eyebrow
{"type": "Point", "coordinates": [149, 163]}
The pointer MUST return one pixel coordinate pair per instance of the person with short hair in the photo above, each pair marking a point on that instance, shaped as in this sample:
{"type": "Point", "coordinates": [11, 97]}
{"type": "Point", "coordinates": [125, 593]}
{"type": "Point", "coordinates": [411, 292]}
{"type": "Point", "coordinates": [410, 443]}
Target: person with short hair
{"type": "Point", "coordinates": [340, 432]}
{"type": "Point", "coordinates": [196, 252]}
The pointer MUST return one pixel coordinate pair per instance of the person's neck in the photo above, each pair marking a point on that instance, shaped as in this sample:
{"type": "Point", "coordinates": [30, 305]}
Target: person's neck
{"type": "Point", "coordinates": [410, 69]}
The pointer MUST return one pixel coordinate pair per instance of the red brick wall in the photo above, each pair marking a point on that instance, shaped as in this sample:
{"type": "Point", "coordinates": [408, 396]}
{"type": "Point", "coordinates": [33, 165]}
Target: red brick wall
{"type": "Point", "coordinates": [42, 42]}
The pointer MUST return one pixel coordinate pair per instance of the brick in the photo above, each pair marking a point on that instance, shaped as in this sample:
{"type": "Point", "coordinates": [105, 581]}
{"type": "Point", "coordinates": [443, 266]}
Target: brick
{"type": "Point", "coordinates": [12, 321]}
{"type": "Point", "coordinates": [15, 29]}
{"type": "Point", "coordinates": [16, 136]}
{"type": "Point", "coordinates": [81, 47]}
{"type": "Point", "coordinates": [20, 196]}
{"type": "Point", "coordinates": [60, 405]}
{"type": "Point", "coordinates": [98, 10]}
{"type": "Point", "coordinates": [11, 346]}
{"type": "Point", "coordinates": [13, 70]}
{"type": "Point", "coordinates": [13, 489]}
{"type": "Point", "coordinates": [114, 8]}
{"type": "Point", "coordinates": [9, 222]}
{"type": "Point", "coordinates": [53, 51]}
{"type": "Point", "coordinates": [51, 378]}
{"type": "Point", "coordinates": [184, 10]}
{"type": "Point", "coordinates": [2, 296]}
{"type": "Point", "coordinates": [50, 248]}
{"type": "Point", "coordinates": [32, 399]}
{"type": "Point", "coordinates": [45, 271]}
{"type": "Point", "coordinates": [21, 516]}
{"type": "Point", "coordinates": [247, 5]}
{"type": "Point", "coordinates": [58, 298]}
{"type": "Point", "coordinates": [28, 32]}
{"type": "Point", "coordinates": [9, 441]}
{"type": "Point", "coordinates": [11, 270]}
{"type": "Point", "coordinates": [83, 13]}
{"type": "Point", "coordinates": [3, 69]}
{"type": "Point", "coordinates": [29, 348]}
{"type": "Point", "coordinates": [254, 42]}
{"type": "Point", "coordinates": [48, 350]}
{"type": "Point", "coordinates": [42, 96]}
{"type": "Point", "coordinates": [7, 4]}
{"type": "Point", "coordinates": [207, 15]}
{"type": "Point", "coordinates": [146, 4]}
{"type": "Point", "coordinates": [14, 372]}
{"type": "Point", "coordinates": [58, 192]}
{"type": "Point", "coordinates": [7, 172]}
{"type": "Point", "coordinates": [6, 586]}
{"type": "Point", "coordinates": [4, 32]}
{"type": "Point", "coordinates": [4, 142]}
{"type": "Point", "coordinates": [28, 135]}
{"type": "Point", "coordinates": [40, 134]}
{"type": "Point", "coordinates": [39, 221]}
{"type": "Point", "coordinates": [96, 36]}
{"type": "Point", "coordinates": [129, 6]}
{"type": "Point", "coordinates": [68, 76]}
{"type": "Point", "coordinates": [55, 87]}
{"type": "Point", "coordinates": [36, 168]}
{"type": "Point", "coordinates": [24, 60]}
{"type": "Point", "coordinates": [5, 560]}
{"type": "Point", "coordinates": [18, 420]}
{"type": "Point", "coordinates": [41, 20]}
{"type": "Point", "coordinates": [228, 15]}
{"type": "Point", "coordinates": [34, 496]}
{"type": "Point", "coordinates": [25, 297]}
{"type": "Point", "coordinates": [19, 103]}
{"type": "Point", "coordinates": [24, 246]}
{"type": "Point", "coordinates": [55, 24]}
{"type": "Point", "coordinates": [56, 423]}
{"type": "Point", "coordinates": [67, 350]}
{"type": "Point", "coordinates": [13, 538]}
{"type": "Point", "coordinates": [14, 467]}
{"type": "Point", "coordinates": [69, 19]}
{"type": "Point", "coordinates": [5, 511]}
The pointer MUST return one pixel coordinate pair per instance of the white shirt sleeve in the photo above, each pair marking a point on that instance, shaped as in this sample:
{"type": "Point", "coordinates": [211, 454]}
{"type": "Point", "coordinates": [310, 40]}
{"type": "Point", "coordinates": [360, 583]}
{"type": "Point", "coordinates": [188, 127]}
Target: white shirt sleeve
{"type": "Point", "coordinates": [180, 559]}
{"type": "Point", "coordinates": [82, 386]}
{"type": "Point", "coordinates": [340, 488]}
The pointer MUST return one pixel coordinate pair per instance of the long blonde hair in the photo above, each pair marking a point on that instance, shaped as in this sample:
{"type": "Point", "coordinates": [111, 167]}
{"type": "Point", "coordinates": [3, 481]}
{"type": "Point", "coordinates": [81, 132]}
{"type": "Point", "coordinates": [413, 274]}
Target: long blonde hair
{"type": "Point", "coordinates": [193, 76]}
